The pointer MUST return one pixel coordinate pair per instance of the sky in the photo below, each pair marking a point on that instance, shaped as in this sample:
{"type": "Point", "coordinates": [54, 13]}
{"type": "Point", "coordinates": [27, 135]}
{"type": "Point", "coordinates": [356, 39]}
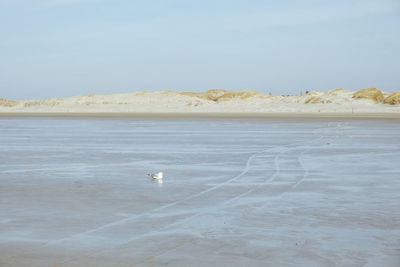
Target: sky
{"type": "Point", "coordinates": [60, 48]}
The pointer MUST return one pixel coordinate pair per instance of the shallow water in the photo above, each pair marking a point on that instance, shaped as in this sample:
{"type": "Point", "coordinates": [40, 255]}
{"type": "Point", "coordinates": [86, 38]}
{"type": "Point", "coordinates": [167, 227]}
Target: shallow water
{"type": "Point", "coordinates": [236, 192]}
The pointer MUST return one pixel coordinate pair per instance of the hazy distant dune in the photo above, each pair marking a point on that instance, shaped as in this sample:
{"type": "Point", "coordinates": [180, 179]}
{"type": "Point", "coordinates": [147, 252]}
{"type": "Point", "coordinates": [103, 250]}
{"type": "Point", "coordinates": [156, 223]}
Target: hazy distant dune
{"type": "Point", "coordinates": [7, 103]}
{"type": "Point", "coordinates": [216, 100]}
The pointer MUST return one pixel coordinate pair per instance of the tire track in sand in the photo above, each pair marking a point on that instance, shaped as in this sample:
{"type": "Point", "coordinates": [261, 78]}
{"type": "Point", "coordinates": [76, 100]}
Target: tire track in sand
{"type": "Point", "coordinates": [245, 170]}
{"type": "Point", "coordinates": [155, 210]}
{"type": "Point", "coordinates": [136, 216]}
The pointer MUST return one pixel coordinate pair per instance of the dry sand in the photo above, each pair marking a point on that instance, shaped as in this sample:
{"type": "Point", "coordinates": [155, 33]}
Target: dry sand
{"type": "Point", "coordinates": [260, 115]}
{"type": "Point", "coordinates": [221, 103]}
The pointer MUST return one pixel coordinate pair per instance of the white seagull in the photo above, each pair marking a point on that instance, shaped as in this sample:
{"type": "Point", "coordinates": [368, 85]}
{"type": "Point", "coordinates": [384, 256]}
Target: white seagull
{"type": "Point", "coordinates": [156, 176]}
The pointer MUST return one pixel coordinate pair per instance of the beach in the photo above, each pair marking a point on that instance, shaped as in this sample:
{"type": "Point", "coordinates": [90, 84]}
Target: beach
{"type": "Point", "coordinates": [199, 133]}
{"type": "Point", "coordinates": [237, 191]}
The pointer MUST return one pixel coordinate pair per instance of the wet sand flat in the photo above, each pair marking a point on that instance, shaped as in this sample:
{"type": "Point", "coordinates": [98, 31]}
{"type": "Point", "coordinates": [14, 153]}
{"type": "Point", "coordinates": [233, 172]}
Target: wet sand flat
{"type": "Point", "coordinates": [237, 192]}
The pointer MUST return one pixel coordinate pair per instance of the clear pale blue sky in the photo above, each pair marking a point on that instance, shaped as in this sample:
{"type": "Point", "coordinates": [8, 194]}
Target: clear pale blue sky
{"type": "Point", "coordinates": [54, 48]}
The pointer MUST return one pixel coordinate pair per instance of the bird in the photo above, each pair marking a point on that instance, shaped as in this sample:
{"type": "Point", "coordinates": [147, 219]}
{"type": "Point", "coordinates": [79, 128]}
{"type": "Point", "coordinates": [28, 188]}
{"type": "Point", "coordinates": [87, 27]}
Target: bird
{"type": "Point", "coordinates": [156, 176]}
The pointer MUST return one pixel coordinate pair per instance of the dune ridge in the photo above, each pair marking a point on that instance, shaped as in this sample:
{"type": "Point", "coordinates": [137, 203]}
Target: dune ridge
{"type": "Point", "coordinates": [215, 101]}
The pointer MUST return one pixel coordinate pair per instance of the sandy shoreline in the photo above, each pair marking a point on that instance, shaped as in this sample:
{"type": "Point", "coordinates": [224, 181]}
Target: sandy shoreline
{"type": "Point", "coordinates": [201, 115]}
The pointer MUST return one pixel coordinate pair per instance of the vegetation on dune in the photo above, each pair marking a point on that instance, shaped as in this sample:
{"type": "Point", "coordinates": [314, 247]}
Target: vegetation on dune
{"type": "Point", "coordinates": [218, 95]}
{"type": "Point", "coordinates": [393, 98]}
{"type": "Point", "coordinates": [374, 94]}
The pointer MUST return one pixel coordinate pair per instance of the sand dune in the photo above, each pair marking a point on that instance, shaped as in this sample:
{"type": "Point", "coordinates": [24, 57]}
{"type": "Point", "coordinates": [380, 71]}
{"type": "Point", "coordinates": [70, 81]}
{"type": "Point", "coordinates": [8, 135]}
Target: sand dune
{"type": "Point", "coordinates": [393, 99]}
{"type": "Point", "coordinates": [216, 101]}
{"type": "Point", "coordinates": [370, 93]}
